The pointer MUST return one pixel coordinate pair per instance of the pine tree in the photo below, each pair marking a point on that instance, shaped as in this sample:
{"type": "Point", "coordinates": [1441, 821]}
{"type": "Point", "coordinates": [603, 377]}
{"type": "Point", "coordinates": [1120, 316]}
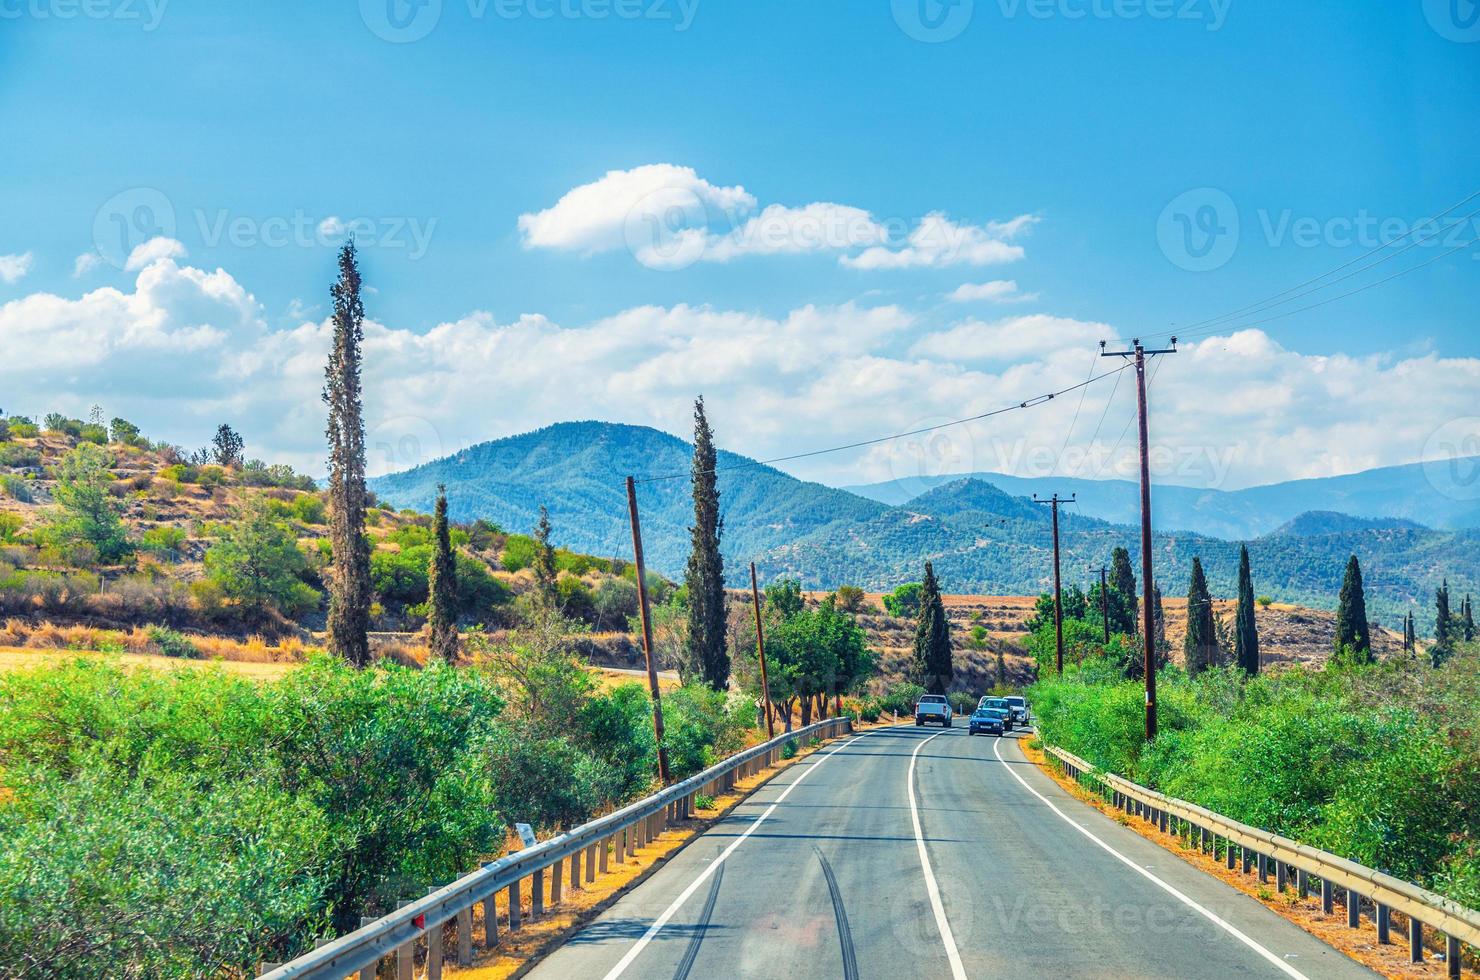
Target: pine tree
{"type": "Point", "coordinates": [1123, 606]}
{"type": "Point", "coordinates": [1353, 636]}
{"type": "Point", "coordinates": [349, 592]}
{"type": "Point", "coordinates": [442, 586]}
{"type": "Point", "coordinates": [1200, 646]}
{"type": "Point", "coordinates": [1246, 631]}
{"type": "Point", "coordinates": [705, 576]}
{"type": "Point", "coordinates": [546, 586]}
{"type": "Point", "coordinates": [227, 446]}
{"type": "Point", "coordinates": [932, 668]}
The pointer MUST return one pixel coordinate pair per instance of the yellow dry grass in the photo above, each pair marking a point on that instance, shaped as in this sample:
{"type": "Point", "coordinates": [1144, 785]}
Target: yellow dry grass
{"type": "Point", "coordinates": [22, 658]}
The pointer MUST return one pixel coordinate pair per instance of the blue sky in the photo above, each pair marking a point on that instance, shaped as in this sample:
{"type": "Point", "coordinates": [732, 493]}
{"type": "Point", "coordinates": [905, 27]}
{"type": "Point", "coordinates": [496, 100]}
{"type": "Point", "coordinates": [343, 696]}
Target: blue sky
{"type": "Point", "coordinates": [1087, 119]}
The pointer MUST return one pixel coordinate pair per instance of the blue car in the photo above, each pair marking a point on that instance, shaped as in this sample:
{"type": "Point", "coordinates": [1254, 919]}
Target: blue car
{"type": "Point", "coordinates": [991, 721]}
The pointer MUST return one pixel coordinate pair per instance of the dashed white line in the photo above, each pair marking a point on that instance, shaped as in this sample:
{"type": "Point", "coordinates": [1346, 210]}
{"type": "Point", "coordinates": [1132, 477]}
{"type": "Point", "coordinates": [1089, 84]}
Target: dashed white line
{"type": "Point", "coordinates": [694, 886]}
{"type": "Point", "coordinates": [1208, 914]}
{"type": "Point", "coordinates": [958, 972]}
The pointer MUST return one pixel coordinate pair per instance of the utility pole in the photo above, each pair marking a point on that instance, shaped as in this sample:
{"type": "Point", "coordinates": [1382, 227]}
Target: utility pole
{"type": "Point", "coordinates": [1058, 594]}
{"type": "Point", "coordinates": [1148, 611]}
{"type": "Point", "coordinates": [760, 647]}
{"type": "Point", "coordinates": [647, 630]}
{"type": "Point", "coordinates": [1104, 601]}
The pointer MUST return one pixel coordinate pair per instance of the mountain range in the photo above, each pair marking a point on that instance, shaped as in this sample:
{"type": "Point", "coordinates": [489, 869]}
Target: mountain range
{"type": "Point", "coordinates": [981, 532]}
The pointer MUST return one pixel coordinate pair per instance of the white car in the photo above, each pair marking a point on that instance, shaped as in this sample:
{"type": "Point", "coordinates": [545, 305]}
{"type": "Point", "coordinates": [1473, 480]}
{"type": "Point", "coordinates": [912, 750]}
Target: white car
{"type": "Point", "coordinates": [1019, 706]}
{"type": "Point", "coordinates": [933, 707]}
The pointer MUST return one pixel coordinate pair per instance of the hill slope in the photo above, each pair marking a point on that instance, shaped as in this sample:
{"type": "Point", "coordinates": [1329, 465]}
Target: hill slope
{"type": "Point", "coordinates": [577, 470]}
{"type": "Point", "coordinates": [1435, 494]}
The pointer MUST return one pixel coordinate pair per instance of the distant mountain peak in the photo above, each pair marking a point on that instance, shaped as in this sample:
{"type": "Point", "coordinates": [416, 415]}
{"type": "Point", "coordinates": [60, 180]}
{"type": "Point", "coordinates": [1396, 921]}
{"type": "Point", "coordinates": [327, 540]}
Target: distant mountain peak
{"type": "Point", "coordinates": [1317, 522]}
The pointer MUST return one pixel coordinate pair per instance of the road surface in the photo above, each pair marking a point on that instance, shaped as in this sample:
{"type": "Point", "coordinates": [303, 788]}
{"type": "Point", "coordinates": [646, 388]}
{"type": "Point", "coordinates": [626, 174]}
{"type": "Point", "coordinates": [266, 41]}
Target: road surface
{"type": "Point", "coordinates": [908, 852]}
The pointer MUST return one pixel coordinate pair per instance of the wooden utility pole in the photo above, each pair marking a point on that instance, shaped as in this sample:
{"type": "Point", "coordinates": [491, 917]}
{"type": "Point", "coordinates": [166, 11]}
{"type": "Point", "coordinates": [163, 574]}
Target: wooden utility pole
{"type": "Point", "coordinates": [1148, 598]}
{"type": "Point", "coordinates": [647, 630]}
{"type": "Point", "coordinates": [1058, 592]}
{"type": "Point", "coordinates": [1104, 601]}
{"type": "Point", "coordinates": [760, 648]}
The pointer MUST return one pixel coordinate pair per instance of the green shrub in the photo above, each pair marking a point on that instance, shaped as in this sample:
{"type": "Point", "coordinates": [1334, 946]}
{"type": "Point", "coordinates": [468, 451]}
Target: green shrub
{"type": "Point", "coordinates": [163, 539]}
{"type": "Point", "coordinates": [519, 552]}
{"type": "Point", "coordinates": [10, 525]}
{"type": "Point", "coordinates": [905, 600]}
{"type": "Point", "coordinates": [173, 644]}
{"type": "Point", "coordinates": [14, 454]}
{"type": "Point", "coordinates": [900, 698]}
{"type": "Point", "coordinates": [15, 488]}
{"type": "Point", "coordinates": [789, 749]}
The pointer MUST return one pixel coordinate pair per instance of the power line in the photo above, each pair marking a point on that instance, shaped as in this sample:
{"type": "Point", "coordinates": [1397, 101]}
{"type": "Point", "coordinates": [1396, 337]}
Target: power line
{"type": "Point", "coordinates": [1069, 434]}
{"type": "Point", "coordinates": [1033, 402]}
{"type": "Point", "coordinates": [1187, 330]}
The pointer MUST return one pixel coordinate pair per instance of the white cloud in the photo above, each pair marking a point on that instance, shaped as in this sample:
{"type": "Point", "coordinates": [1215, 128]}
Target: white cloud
{"type": "Point", "coordinates": [185, 349]}
{"type": "Point", "coordinates": [1013, 339]}
{"type": "Point", "coordinates": [937, 241]}
{"type": "Point", "coordinates": [85, 263]}
{"type": "Point", "coordinates": [13, 268]}
{"type": "Point", "coordinates": [152, 251]}
{"type": "Point", "coordinates": [606, 213]}
{"type": "Point", "coordinates": [331, 227]}
{"type": "Point", "coordinates": [669, 217]}
{"type": "Point", "coordinates": [996, 291]}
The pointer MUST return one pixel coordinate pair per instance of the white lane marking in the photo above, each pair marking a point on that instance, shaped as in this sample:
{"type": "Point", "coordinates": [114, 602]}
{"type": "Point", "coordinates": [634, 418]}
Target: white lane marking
{"type": "Point", "coordinates": [694, 886]}
{"type": "Point", "coordinates": [1208, 914]}
{"type": "Point", "coordinates": [958, 972]}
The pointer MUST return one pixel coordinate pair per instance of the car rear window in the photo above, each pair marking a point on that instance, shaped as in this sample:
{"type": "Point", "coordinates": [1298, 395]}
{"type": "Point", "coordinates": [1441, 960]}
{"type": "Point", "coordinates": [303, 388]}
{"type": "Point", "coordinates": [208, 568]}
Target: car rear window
{"type": "Point", "coordinates": [933, 699]}
{"type": "Point", "coordinates": [1019, 702]}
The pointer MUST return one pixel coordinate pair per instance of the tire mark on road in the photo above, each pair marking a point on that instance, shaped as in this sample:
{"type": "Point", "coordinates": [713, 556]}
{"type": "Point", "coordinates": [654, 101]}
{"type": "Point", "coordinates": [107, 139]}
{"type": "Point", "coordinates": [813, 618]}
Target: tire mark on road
{"type": "Point", "coordinates": [700, 927]}
{"type": "Point", "coordinates": [845, 934]}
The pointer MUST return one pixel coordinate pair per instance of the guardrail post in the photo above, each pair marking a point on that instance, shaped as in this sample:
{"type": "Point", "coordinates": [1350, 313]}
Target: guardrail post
{"type": "Point", "coordinates": [514, 911]}
{"type": "Point", "coordinates": [1353, 909]}
{"type": "Point", "coordinates": [1163, 821]}
{"type": "Point", "coordinates": [265, 967]}
{"type": "Point", "coordinates": [1451, 957]}
{"type": "Point", "coordinates": [1228, 858]}
{"type": "Point", "coordinates": [1247, 857]}
{"type": "Point", "coordinates": [1302, 882]}
{"type": "Point", "coordinates": [368, 973]}
{"type": "Point", "coordinates": [1384, 925]}
{"type": "Point", "coordinates": [1281, 876]}
{"type": "Point", "coordinates": [1328, 897]}
{"type": "Point", "coordinates": [434, 947]}
{"type": "Point", "coordinates": [405, 955]}
{"type": "Point", "coordinates": [465, 937]}
{"type": "Point", "coordinates": [575, 869]}
{"type": "Point", "coordinates": [1415, 940]}
{"type": "Point", "coordinates": [557, 874]}
{"type": "Point", "coordinates": [1263, 868]}
{"type": "Point", "coordinates": [490, 921]}
{"type": "Point", "coordinates": [537, 893]}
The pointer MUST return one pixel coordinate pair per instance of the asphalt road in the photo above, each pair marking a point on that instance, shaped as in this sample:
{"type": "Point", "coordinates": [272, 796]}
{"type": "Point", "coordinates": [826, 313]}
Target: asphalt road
{"type": "Point", "coordinates": [908, 852]}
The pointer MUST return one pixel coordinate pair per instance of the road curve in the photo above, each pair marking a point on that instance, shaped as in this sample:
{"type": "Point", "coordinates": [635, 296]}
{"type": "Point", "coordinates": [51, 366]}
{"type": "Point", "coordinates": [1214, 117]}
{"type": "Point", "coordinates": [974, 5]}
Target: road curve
{"type": "Point", "coordinates": [921, 852]}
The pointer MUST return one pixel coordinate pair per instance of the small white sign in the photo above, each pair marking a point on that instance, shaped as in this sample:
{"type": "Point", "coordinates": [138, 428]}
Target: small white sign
{"type": "Point", "coordinates": [526, 834]}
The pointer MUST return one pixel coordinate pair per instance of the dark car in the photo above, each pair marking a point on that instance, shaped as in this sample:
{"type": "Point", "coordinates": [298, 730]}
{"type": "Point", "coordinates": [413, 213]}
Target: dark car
{"type": "Point", "coordinates": [989, 721]}
{"type": "Point", "coordinates": [999, 704]}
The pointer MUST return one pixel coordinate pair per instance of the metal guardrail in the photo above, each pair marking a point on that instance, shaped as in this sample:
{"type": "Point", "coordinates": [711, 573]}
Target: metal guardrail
{"type": "Point", "coordinates": [617, 834]}
{"type": "Point", "coordinates": [1261, 848]}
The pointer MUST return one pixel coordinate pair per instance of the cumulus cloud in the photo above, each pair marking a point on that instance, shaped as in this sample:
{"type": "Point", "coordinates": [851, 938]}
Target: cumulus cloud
{"type": "Point", "coordinates": [669, 217]}
{"type": "Point", "coordinates": [152, 251]}
{"type": "Point", "coordinates": [13, 268]}
{"type": "Point", "coordinates": [184, 349]}
{"type": "Point", "coordinates": [996, 291]}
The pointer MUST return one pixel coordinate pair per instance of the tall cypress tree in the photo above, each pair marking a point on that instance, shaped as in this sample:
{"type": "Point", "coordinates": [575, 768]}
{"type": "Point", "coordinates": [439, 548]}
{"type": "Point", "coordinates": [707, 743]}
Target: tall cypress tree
{"type": "Point", "coordinates": [1353, 636]}
{"type": "Point", "coordinates": [1443, 626]}
{"type": "Point", "coordinates": [545, 576]}
{"type": "Point", "coordinates": [349, 587]}
{"type": "Point", "coordinates": [442, 586]}
{"type": "Point", "coordinates": [1245, 630]}
{"type": "Point", "coordinates": [705, 577]}
{"type": "Point", "coordinates": [1123, 606]}
{"type": "Point", "coordinates": [1159, 626]}
{"type": "Point", "coordinates": [932, 668]}
{"type": "Point", "coordinates": [1200, 646]}
{"type": "Point", "coordinates": [1467, 620]}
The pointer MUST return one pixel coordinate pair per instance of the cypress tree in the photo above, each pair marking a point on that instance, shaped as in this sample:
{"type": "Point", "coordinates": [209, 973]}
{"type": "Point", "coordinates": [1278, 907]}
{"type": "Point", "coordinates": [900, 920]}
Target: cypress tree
{"type": "Point", "coordinates": [1123, 606]}
{"type": "Point", "coordinates": [1467, 616]}
{"type": "Point", "coordinates": [705, 576]}
{"type": "Point", "coordinates": [1443, 626]}
{"type": "Point", "coordinates": [442, 586]}
{"type": "Point", "coordinates": [1245, 630]}
{"type": "Point", "coordinates": [545, 577]}
{"type": "Point", "coordinates": [932, 668]}
{"type": "Point", "coordinates": [349, 587]}
{"type": "Point", "coordinates": [1159, 625]}
{"type": "Point", "coordinates": [1353, 638]}
{"type": "Point", "coordinates": [1200, 646]}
